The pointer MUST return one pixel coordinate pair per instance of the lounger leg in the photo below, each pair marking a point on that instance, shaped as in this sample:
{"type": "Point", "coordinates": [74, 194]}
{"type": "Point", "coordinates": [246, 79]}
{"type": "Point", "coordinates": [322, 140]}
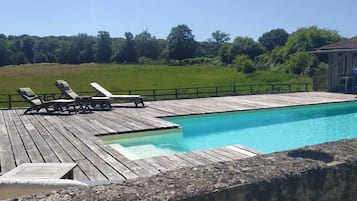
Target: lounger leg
{"type": "Point", "coordinates": [29, 109]}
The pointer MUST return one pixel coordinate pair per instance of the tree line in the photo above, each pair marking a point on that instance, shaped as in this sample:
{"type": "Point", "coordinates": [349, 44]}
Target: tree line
{"type": "Point", "coordinates": [274, 50]}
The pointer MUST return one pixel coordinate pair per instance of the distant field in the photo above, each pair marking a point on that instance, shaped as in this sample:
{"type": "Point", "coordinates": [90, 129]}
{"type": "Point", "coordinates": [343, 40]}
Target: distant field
{"type": "Point", "coordinates": [124, 77]}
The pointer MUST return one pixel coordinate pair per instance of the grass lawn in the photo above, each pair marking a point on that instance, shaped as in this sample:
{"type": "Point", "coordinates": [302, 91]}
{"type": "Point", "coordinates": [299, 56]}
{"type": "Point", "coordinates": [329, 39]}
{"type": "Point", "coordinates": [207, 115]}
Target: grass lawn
{"type": "Point", "coordinates": [41, 77]}
{"type": "Point", "coordinates": [116, 77]}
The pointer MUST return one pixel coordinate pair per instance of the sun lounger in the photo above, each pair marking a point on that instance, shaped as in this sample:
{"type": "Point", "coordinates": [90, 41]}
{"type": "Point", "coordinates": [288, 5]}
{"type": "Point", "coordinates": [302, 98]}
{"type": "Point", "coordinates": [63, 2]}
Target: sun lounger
{"type": "Point", "coordinates": [85, 102]}
{"type": "Point", "coordinates": [137, 99]}
{"type": "Point", "coordinates": [37, 103]}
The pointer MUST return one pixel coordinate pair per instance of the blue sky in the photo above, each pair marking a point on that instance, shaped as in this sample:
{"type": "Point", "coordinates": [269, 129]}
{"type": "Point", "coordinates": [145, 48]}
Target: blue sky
{"type": "Point", "coordinates": [249, 18]}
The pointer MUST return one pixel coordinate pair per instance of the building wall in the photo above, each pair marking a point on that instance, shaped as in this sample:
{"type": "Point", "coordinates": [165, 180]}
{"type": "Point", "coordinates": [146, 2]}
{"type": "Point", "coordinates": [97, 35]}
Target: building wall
{"type": "Point", "coordinates": [341, 65]}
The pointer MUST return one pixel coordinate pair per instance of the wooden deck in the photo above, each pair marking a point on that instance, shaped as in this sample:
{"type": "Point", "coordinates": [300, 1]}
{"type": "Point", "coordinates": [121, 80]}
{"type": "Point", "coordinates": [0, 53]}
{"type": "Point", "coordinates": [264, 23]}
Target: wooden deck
{"type": "Point", "coordinates": [73, 138]}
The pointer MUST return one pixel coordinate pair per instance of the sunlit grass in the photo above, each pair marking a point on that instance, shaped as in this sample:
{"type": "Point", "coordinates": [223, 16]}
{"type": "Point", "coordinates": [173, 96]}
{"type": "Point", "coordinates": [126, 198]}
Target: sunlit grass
{"type": "Point", "coordinates": [41, 78]}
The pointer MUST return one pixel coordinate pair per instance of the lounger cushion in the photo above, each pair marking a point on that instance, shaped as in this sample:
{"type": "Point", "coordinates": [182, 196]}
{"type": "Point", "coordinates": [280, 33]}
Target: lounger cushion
{"type": "Point", "coordinates": [64, 86]}
{"type": "Point", "coordinates": [28, 92]}
{"type": "Point", "coordinates": [100, 89]}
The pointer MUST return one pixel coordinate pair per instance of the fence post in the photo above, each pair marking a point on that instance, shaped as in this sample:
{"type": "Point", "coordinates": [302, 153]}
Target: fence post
{"type": "Point", "coordinates": [176, 93]}
{"type": "Point", "coordinates": [10, 101]}
{"type": "Point", "coordinates": [306, 86]}
{"type": "Point", "coordinates": [154, 94]}
{"type": "Point", "coordinates": [197, 92]}
{"type": "Point", "coordinates": [289, 88]}
{"type": "Point", "coordinates": [272, 88]}
{"type": "Point", "coordinates": [129, 92]}
{"type": "Point", "coordinates": [216, 91]}
{"type": "Point", "coordinates": [251, 89]}
{"type": "Point", "coordinates": [234, 90]}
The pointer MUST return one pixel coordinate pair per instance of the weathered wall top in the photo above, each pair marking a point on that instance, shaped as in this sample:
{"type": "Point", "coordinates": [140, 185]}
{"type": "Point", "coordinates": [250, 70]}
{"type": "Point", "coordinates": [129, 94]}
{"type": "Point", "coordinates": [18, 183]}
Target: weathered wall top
{"type": "Point", "coordinates": [322, 172]}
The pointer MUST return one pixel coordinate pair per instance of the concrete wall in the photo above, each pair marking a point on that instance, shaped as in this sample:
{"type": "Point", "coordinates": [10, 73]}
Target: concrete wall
{"type": "Point", "coordinates": [322, 172]}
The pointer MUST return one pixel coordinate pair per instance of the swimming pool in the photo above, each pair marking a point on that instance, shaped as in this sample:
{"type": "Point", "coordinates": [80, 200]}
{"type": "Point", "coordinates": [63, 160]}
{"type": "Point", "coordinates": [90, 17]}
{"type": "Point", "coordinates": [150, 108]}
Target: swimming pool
{"type": "Point", "coordinates": [266, 130]}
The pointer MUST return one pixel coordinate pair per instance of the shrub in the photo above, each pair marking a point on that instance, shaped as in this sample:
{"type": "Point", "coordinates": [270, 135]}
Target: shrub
{"type": "Point", "coordinates": [302, 62]}
{"type": "Point", "coordinates": [198, 60]}
{"type": "Point", "coordinates": [244, 64]}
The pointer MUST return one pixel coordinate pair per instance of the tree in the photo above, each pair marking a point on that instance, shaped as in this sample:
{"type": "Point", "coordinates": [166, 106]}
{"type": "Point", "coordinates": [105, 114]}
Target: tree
{"type": "Point", "coordinates": [147, 45]}
{"type": "Point", "coordinates": [85, 46]}
{"type": "Point", "coordinates": [306, 39]}
{"type": "Point", "coordinates": [245, 45]}
{"type": "Point", "coordinates": [206, 49]}
{"type": "Point", "coordinates": [4, 54]}
{"type": "Point", "coordinates": [104, 49]}
{"type": "Point", "coordinates": [211, 47]}
{"type": "Point", "coordinates": [302, 62]}
{"type": "Point", "coordinates": [219, 37]}
{"type": "Point", "coordinates": [270, 60]}
{"type": "Point", "coordinates": [27, 47]}
{"type": "Point", "coordinates": [181, 43]}
{"type": "Point", "coordinates": [225, 53]}
{"type": "Point", "coordinates": [127, 52]}
{"type": "Point", "coordinates": [45, 50]}
{"type": "Point", "coordinates": [273, 38]}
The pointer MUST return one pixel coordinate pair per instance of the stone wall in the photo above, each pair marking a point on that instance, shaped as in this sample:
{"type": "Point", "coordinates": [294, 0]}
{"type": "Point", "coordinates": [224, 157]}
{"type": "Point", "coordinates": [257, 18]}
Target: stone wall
{"type": "Point", "coordinates": [323, 172]}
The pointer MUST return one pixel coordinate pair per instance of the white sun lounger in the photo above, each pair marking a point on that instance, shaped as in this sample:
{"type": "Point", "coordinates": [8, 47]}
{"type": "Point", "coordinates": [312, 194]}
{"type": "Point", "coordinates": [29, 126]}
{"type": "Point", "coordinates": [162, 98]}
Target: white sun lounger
{"type": "Point", "coordinates": [137, 99]}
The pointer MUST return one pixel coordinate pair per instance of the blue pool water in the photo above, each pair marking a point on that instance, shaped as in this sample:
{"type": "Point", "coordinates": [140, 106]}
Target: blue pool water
{"type": "Point", "coordinates": [267, 130]}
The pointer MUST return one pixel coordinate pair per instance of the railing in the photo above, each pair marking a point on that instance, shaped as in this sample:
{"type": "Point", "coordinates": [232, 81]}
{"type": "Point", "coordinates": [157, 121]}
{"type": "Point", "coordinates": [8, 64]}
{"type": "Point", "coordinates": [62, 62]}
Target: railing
{"type": "Point", "coordinates": [14, 100]}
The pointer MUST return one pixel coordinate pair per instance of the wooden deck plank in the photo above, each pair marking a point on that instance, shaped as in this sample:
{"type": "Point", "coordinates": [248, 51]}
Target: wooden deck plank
{"type": "Point", "coordinates": [179, 162]}
{"type": "Point", "coordinates": [18, 148]}
{"type": "Point", "coordinates": [139, 170]}
{"type": "Point", "coordinates": [98, 150]}
{"type": "Point", "coordinates": [30, 146]}
{"type": "Point", "coordinates": [44, 149]}
{"type": "Point", "coordinates": [230, 153]}
{"type": "Point", "coordinates": [91, 156]}
{"type": "Point", "coordinates": [53, 144]}
{"type": "Point", "coordinates": [199, 158]}
{"type": "Point", "coordinates": [90, 125]}
{"type": "Point", "coordinates": [114, 126]}
{"type": "Point", "coordinates": [123, 124]}
{"type": "Point", "coordinates": [79, 175]}
{"type": "Point", "coordinates": [147, 166]}
{"type": "Point", "coordinates": [207, 156]}
{"type": "Point", "coordinates": [66, 144]}
{"type": "Point", "coordinates": [134, 122]}
{"type": "Point", "coordinates": [90, 170]}
{"type": "Point", "coordinates": [166, 162]}
{"type": "Point", "coordinates": [219, 157]}
{"type": "Point", "coordinates": [153, 122]}
{"type": "Point", "coordinates": [159, 166]}
{"type": "Point", "coordinates": [7, 160]}
{"type": "Point", "coordinates": [186, 156]}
